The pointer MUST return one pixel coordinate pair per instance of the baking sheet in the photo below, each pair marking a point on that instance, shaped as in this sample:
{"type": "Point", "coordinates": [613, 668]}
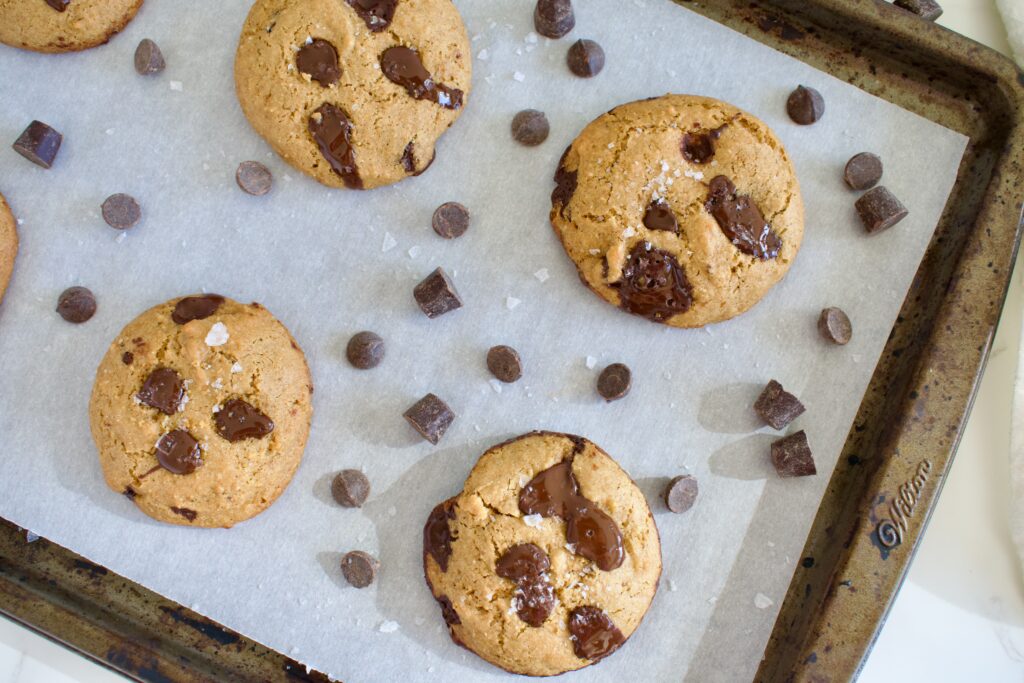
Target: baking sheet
{"type": "Point", "coordinates": [330, 263]}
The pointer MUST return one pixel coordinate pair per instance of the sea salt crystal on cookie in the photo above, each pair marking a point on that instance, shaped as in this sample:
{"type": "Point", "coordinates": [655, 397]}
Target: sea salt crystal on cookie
{"type": "Point", "coordinates": [236, 368]}
{"type": "Point", "coordinates": [532, 520]}
{"type": "Point", "coordinates": [218, 335]}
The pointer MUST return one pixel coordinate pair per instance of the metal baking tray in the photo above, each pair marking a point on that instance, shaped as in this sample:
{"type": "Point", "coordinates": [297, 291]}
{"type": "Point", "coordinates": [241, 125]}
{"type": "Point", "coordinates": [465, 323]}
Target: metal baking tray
{"type": "Point", "coordinates": [898, 451]}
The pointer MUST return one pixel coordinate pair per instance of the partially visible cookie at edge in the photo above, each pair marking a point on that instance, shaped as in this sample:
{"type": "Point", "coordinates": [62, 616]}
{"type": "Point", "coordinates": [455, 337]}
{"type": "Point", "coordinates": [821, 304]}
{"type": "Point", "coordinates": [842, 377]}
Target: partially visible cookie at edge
{"type": "Point", "coordinates": [8, 245]}
{"type": "Point", "coordinates": [200, 411]}
{"type": "Point", "coordinates": [63, 25]}
{"type": "Point", "coordinates": [353, 96]}
{"type": "Point", "coordinates": [681, 209]}
{"type": "Point", "coordinates": [522, 586]}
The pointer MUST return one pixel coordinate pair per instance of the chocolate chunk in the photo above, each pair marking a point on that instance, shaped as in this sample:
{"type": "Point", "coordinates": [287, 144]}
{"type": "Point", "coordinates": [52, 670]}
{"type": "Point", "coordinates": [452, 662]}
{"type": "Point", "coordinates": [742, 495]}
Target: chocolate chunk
{"type": "Point", "coordinates": [332, 133]}
{"type": "Point", "coordinates": [659, 216]}
{"type": "Point", "coordinates": [681, 493]}
{"type": "Point", "coordinates": [319, 60]}
{"type": "Point", "coordinates": [565, 183]}
{"type": "Point", "coordinates": [238, 419]}
{"type": "Point", "coordinates": [777, 407]}
{"type": "Point", "coordinates": [614, 382]}
{"type": "Point", "coordinates": [402, 65]}
{"type": "Point", "coordinates": [148, 58]}
{"type": "Point", "coordinates": [530, 127]}
{"type": "Point", "coordinates": [178, 452]}
{"type": "Point", "coordinates": [553, 18]}
{"type": "Point", "coordinates": [76, 304]}
{"type": "Point", "coordinates": [129, 493]}
{"type": "Point", "coordinates": [504, 363]}
{"type": "Point", "coordinates": [127, 357]}
{"type": "Point", "coordinates": [585, 58]}
{"type": "Point", "coordinates": [431, 417]}
{"type": "Point", "coordinates": [436, 294]}
{"type": "Point", "coordinates": [451, 617]}
{"type": "Point", "coordinates": [437, 534]}
{"type": "Point", "coordinates": [805, 105]}
{"type": "Point", "coordinates": [792, 456]}
{"type": "Point", "coordinates": [863, 171]}
{"type": "Point", "coordinates": [196, 307]}
{"type": "Point", "coordinates": [163, 390]}
{"type": "Point", "coordinates": [741, 220]}
{"type": "Point", "coordinates": [409, 162]}
{"type": "Point", "coordinates": [376, 13]}
{"type": "Point", "coordinates": [365, 350]}
{"type": "Point", "coordinates": [359, 568]}
{"type": "Point", "coordinates": [121, 211]}
{"type": "Point", "coordinates": [39, 144]}
{"type": "Point", "coordinates": [350, 488]}
{"type": "Point", "coordinates": [879, 209]}
{"type": "Point", "coordinates": [699, 147]}
{"type": "Point", "coordinates": [926, 9]}
{"type": "Point", "coordinates": [527, 566]}
{"type": "Point", "coordinates": [590, 532]}
{"type": "Point", "coordinates": [593, 634]}
{"type": "Point", "coordinates": [254, 178]}
{"type": "Point", "coordinates": [59, 5]}
{"type": "Point", "coordinates": [450, 220]}
{"type": "Point", "coordinates": [188, 514]}
{"type": "Point", "coordinates": [653, 284]}
{"type": "Point", "coordinates": [835, 326]}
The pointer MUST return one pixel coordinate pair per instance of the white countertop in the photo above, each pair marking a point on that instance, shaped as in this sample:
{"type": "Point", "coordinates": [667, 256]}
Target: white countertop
{"type": "Point", "coordinates": [960, 616]}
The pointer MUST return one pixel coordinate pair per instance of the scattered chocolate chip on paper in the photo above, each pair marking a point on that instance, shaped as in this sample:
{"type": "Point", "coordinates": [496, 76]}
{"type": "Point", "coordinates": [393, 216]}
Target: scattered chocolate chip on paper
{"type": "Point", "coordinates": [450, 220]}
{"type": "Point", "coordinates": [530, 127]}
{"type": "Point", "coordinates": [585, 58]}
{"type": "Point", "coordinates": [879, 209]}
{"type": "Point", "coordinates": [350, 488]}
{"type": "Point", "coordinates": [554, 18]}
{"type": "Point", "coordinates": [504, 363]}
{"type": "Point", "coordinates": [121, 211]}
{"type": "Point", "coordinates": [792, 457]}
{"type": "Point", "coordinates": [614, 382]}
{"type": "Point", "coordinates": [254, 178]}
{"type": "Point", "coordinates": [862, 171]}
{"type": "Point", "coordinates": [76, 304]}
{"type": "Point", "coordinates": [431, 417]}
{"type": "Point", "coordinates": [436, 294]}
{"type": "Point", "coordinates": [148, 58]}
{"type": "Point", "coordinates": [777, 407]}
{"type": "Point", "coordinates": [39, 144]}
{"type": "Point", "coordinates": [365, 350]}
{"type": "Point", "coordinates": [681, 493]}
{"type": "Point", "coordinates": [834, 325]}
{"type": "Point", "coordinates": [805, 105]}
{"type": "Point", "coordinates": [359, 568]}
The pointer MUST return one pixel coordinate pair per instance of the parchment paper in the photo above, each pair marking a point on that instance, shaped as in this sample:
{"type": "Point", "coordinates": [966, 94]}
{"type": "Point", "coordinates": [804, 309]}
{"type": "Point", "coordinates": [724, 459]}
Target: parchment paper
{"type": "Point", "coordinates": [319, 259]}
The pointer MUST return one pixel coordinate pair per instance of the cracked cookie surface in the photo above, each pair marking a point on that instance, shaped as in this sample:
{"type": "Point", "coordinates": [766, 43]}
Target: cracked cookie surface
{"type": "Point", "coordinates": [514, 559]}
{"type": "Point", "coordinates": [354, 93]}
{"type": "Point", "coordinates": [682, 209]}
{"type": "Point", "coordinates": [200, 411]}
{"type": "Point", "coordinates": [63, 25]}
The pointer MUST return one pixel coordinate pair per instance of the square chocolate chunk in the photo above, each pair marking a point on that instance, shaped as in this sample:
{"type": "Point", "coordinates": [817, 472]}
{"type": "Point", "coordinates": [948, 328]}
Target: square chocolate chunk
{"type": "Point", "coordinates": [431, 417]}
{"type": "Point", "coordinates": [778, 407]}
{"type": "Point", "coordinates": [436, 295]}
{"type": "Point", "coordinates": [792, 456]}
{"type": "Point", "coordinates": [879, 209]}
{"type": "Point", "coordinates": [39, 144]}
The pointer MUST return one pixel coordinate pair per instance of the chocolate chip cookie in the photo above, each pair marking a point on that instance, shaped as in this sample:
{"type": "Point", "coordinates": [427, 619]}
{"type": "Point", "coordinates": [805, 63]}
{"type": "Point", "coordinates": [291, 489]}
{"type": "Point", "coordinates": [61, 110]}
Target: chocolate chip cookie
{"type": "Point", "coordinates": [8, 245]}
{"type": "Point", "coordinates": [684, 210]}
{"type": "Point", "coordinates": [354, 93]}
{"type": "Point", "coordinates": [201, 409]}
{"type": "Point", "coordinates": [548, 559]}
{"type": "Point", "coordinates": [63, 25]}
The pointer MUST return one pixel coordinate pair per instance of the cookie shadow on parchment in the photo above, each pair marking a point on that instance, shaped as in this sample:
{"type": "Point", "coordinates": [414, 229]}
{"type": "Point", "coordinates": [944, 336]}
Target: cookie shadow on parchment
{"type": "Point", "coordinates": [729, 409]}
{"type": "Point", "coordinates": [398, 514]}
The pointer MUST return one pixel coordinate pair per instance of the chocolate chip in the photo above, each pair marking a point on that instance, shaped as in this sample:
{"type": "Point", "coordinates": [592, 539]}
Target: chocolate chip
{"type": "Point", "coordinates": [805, 105]}
{"type": "Point", "coordinates": [527, 565]}
{"type": "Point", "coordinates": [178, 452]}
{"type": "Point", "coordinates": [121, 211]}
{"type": "Point", "coordinates": [614, 382]}
{"type": "Point", "coordinates": [365, 350]}
{"type": "Point", "coordinates": [431, 417]}
{"type": "Point", "coordinates": [359, 568]}
{"type": "Point", "coordinates": [741, 220]}
{"type": "Point", "coordinates": [653, 284]}
{"type": "Point", "coordinates": [659, 216]}
{"type": "Point", "coordinates": [879, 209]}
{"type": "Point", "coordinates": [448, 612]}
{"type": "Point", "coordinates": [332, 133]}
{"type": "Point", "coordinates": [593, 634]}
{"type": "Point", "coordinates": [188, 514]}
{"type": "Point", "coordinates": [254, 178]}
{"type": "Point", "coordinates": [777, 407]}
{"type": "Point", "coordinates": [76, 304]}
{"type": "Point", "coordinates": [792, 457]}
{"type": "Point", "coordinates": [59, 5]}
{"type": "Point", "coordinates": [436, 294]}
{"type": "Point", "coordinates": [196, 308]}
{"type": "Point", "coordinates": [238, 419]}
{"type": "Point", "coordinates": [681, 493]}
{"type": "Point", "coordinates": [530, 127]}
{"type": "Point", "coordinates": [350, 488]}
{"type": "Point", "coordinates": [127, 357]}
{"type": "Point", "coordinates": [835, 326]}
{"type": "Point", "coordinates": [437, 533]}
{"type": "Point", "coordinates": [129, 493]}
{"type": "Point", "coordinates": [163, 390]}
{"type": "Point", "coordinates": [553, 18]}
{"type": "Point", "coordinates": [504, 363]}
{"type": "Point", "coordinates": [585, 58]}
{"type": "Point", "coordinates": [376, 13]}
{"type": "Point", "coordinates": [565, 184]}
{"type": "Point", "coordinates": [863, 171]}
{"type": "Point", "coordinates": [319, 60]}
{"type": "Point", "coordinates": [698, 147]}
{"type": "Point", "coordinates": [39, 144]}
{"type": "Point", "coordinates": [926, 9]}
{"type": "Point", "coordinates": [409, 162]}
{"type": "Point", "coordinates": [402, 65]}
{"type": "Point", "coordinates": [450, 220]}
{"type": "Point", "coordinates": [148, 58]}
